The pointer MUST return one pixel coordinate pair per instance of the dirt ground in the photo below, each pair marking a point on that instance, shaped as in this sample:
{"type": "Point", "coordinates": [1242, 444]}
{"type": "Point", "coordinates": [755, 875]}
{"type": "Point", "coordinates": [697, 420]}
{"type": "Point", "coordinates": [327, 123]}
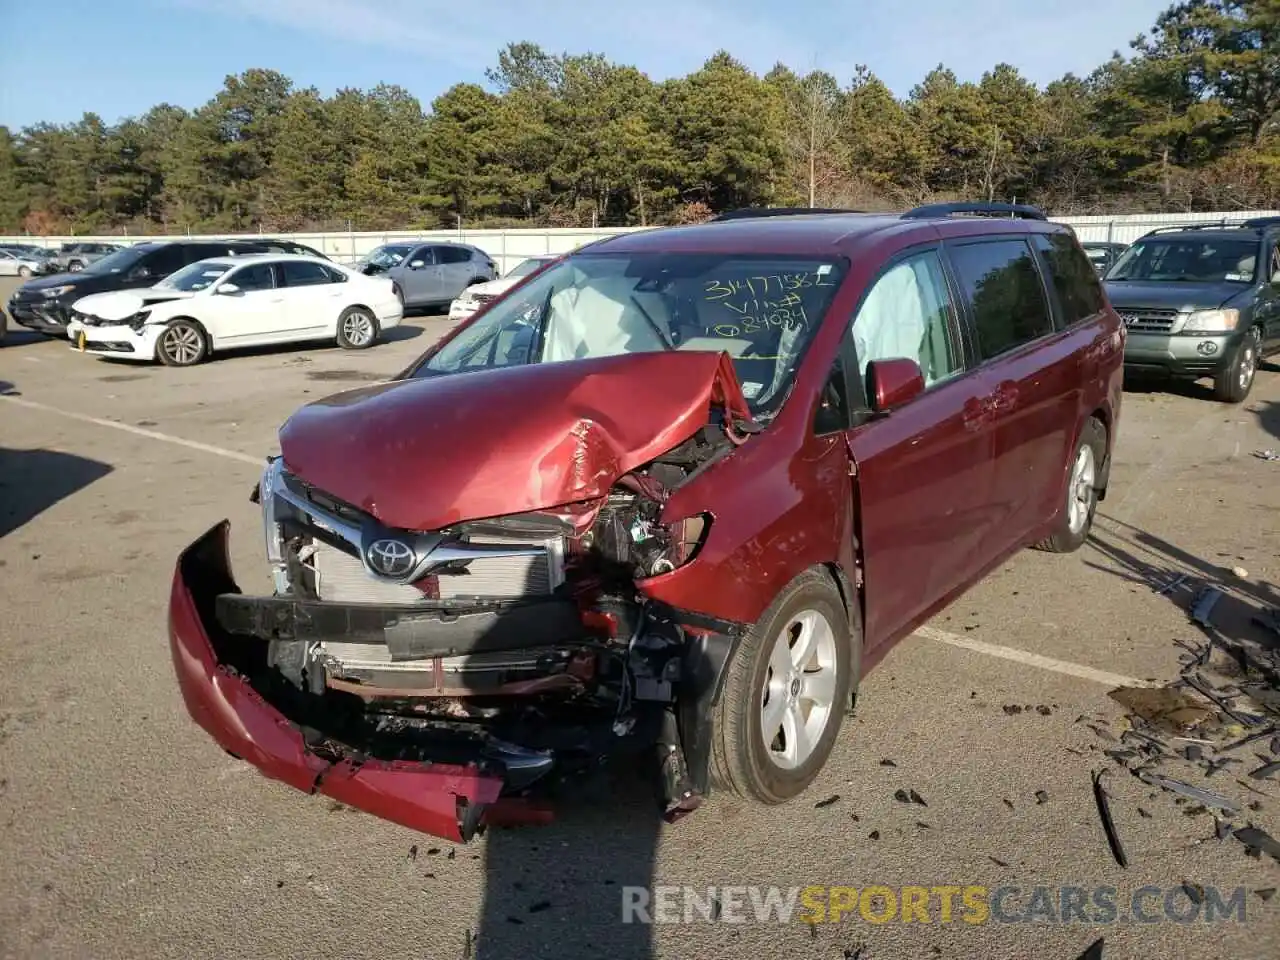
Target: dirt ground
{"type": "Point", "coordinates": [126, 832]}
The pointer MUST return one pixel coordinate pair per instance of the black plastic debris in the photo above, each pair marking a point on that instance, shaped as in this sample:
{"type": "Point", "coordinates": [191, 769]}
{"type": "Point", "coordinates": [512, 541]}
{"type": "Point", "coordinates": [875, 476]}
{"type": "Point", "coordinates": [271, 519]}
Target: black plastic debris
{"type": "Point", "coordinates": [1146, 815]}
{"type": "Point", "coordinates": [1202, 606]}
{"type": "Point", "coordinates": [1008, 803]}
{"type": "Point", "coordinates": [1102, 732]}
{"type": "Point", "coordinates": [901, 796]}
{"type": "Point", "coordinates": [1265, 894]}
{"type": "Point", "coordinates": [1265, 771]}
{"type": "Point", "coordinates": [1093, 951]}
{"type": "Point", "coordinates": [1206, 797]}
{"type": "Point", "coordinates": [1103, 800]}
{"type": "Point", "coordinates": [998, 863]}
{"type": "Point", "coordinates": [834, 798]}
{"type": "Point", "coordinates": [1043, 710]}
{"type": "Point", "coordinates": [1274, 746]}
{"type": "Point", "coordinates": [916, 798]}
{"type": "Point", "coordinates": [1221, 828]}
{"type": "Point", "coordinates": [1011, 709]}
{"type": "Point", "coordinates": [1041, 797]}
{"type": "Point", "coordinates": [1214, 766]}
{"type": "Point", "coordinates": [873, 835]}
{"type": "Point", "coordinates": [413, 852]}
{"type": "Point", "coordinates": [1256, 839]}
{"type": "Point", "coordinates": [886, 762]}
{"type": "Point", "coordinates": [1193, 752]}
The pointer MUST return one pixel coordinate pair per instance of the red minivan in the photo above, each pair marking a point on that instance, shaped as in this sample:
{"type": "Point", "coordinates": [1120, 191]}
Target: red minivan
{"type": "Point", "coordinates": [672, 495]}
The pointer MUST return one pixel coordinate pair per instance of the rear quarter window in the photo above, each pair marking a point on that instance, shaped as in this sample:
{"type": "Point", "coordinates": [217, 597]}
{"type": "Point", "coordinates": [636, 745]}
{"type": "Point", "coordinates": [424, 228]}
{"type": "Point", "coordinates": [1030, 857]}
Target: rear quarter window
{"type": "Point", "coordinates": [1075, 281]}
{"type": "Point", "coordinates": [1006, 299]}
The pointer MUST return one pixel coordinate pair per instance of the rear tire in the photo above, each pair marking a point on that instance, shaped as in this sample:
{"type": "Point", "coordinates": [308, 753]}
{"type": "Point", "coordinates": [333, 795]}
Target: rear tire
{"type": "Point", "coordinates": [357, 329]}
{"type": "Point", "coordinates": [75, 266]}
{"type": "Point", "coordinates": [182, 344]}
{"type": "Point", "coordinates": [800, 652]}
{"type": "Point", "coordinates": [1235, 381]}
{"type": "Point", "coordinates": [24, 272]}
{"type": "Point", "coordinates": [1076, 519]}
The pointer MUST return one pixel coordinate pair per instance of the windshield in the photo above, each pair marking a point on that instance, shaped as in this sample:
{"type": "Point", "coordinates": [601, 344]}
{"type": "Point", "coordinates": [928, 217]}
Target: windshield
{"type": "Point", "coordinates": [526, 267]}
{"type": "Point", "coordinates": [762, 310]}
{"type": "Point", "coordinates": [195, 276]}
{"type": "Point", "coordinates": [388, 256]}
{"type": "Point", "coordinates": [117, 262]}
{"type": "Point", "coordinates": [1187, 259]}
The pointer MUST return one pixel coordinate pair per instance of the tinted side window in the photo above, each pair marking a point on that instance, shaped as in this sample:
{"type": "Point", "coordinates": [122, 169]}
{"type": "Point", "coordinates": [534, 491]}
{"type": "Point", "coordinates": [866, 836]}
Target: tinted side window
{"type": "Point", "coordinates": [453, 254]}
{"type": "Point", "coordinates": [426, 254]}
{"type": "Point", "coordinates": [335, 276]}
{"type": "Point", "coordinates": [168, 259]}
{"type": "Point", "coordinates": [1000, 281]}
{"type": "Point", "coordinates": [300, 274]}
{"type": "Point", "coordinates": [1074, 278]}
{"type": "Point", "coordinates": [256, 276]}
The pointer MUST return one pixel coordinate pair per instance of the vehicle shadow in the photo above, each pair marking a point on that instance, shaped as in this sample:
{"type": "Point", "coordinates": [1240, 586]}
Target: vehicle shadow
{"type": "Point", "coordinates": [1142, 558]}
{"type": "Point", "coordinates": [558, 890]}
{"type": "Point", "coordinates": [1191, 389]}
{"type": "Point", "coordinates": [31, 481]}
{"type": "Point", "coordinates": [1268, 414]}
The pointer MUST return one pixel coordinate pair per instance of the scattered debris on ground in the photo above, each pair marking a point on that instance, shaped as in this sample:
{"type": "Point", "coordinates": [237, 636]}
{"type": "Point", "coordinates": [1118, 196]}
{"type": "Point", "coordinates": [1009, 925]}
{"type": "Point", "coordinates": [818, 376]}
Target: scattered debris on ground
{"type": "Point", "coordinates": [1226, 697]}
{"type": "Point", "coordinates": [1271, 455]}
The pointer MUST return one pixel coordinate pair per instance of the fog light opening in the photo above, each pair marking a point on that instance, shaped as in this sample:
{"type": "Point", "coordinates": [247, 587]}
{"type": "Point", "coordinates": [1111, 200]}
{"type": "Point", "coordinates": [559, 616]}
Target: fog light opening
{"type": "Point", "coordinates": [1206, 348]}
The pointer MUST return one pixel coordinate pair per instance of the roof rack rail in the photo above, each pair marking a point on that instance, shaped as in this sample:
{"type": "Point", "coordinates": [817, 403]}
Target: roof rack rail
{"type": "Point", "coordinates": [1262, 223]}
{"type": "Point", "coordinates": [1212, 225]}
{"type": "Point", "coordinates": [1019, 211]}
{"type": "Point", "coordinates": [750, 213]}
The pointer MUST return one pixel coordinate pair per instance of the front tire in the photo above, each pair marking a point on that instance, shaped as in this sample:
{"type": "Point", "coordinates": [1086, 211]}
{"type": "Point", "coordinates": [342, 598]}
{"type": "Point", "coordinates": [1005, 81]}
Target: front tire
{"type": "Point", "coordinates": [24, 272]}
{"type": "Point", "coordinates": [1076, 519]}
{"type": "Point", "coordinates": [357, 329]}
{"type": "Point", "coordinates": [785, 694]}
{"type": "Point", "coordinates": [75, 266]}
{"type": "Point", "coordinates": [1235, 381]}
{"type": "Point", "coordinates": [182, 344]}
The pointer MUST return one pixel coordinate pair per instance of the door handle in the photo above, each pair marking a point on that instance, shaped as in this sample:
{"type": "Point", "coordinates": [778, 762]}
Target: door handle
{"type": "Point", "coordinates": [976, 412]}
{"type": "Point", "coordinates": [1004, 398]}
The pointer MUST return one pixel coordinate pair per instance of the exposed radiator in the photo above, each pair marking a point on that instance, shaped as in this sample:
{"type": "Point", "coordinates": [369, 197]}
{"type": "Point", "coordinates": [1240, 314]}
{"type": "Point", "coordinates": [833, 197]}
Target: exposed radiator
{"type": "Point", "coordinates": [342, 578]}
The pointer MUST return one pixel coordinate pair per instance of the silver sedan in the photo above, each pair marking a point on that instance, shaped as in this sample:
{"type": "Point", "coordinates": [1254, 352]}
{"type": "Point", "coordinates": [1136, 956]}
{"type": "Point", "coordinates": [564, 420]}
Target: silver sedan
{"type": "Point", "coordinates": [19, 263]}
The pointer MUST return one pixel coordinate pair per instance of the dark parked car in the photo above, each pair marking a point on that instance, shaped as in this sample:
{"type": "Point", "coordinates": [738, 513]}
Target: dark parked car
{"type": "Point", "coordinates": [44, 304]}
{"type": "Point", "coordinates": [1103, 255]}
{"type": "Point", "coordinates": [676, 492]}
{"type": "Point", "coordinates": [1201, 300]}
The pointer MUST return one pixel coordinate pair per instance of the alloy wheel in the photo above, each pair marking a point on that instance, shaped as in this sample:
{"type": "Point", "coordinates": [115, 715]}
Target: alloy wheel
{"type": "Point", "coordinates": [182, 345]}
{"type": "Point", "coordinates": [357, 328]}
{"type": "Point", "coordinates": [799, 691]}
{"type": "Point", "coordinates": [1083, 474]}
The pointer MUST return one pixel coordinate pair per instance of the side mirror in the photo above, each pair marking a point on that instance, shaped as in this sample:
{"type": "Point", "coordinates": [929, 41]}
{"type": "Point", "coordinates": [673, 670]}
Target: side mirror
{"type": "Point", "coordinates": [228, 290]}
{"type": "Point", "coordinates": [140, 273]}
{"type": "Point", "coordinates": [891, 383]}
{"type": "Point", "coordinates": [417, 265]}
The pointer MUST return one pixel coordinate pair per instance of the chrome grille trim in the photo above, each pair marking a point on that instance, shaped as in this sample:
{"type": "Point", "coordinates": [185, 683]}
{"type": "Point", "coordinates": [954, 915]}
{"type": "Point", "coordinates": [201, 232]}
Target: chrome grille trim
{"type": "Point", "coordinates": [1148, 319]}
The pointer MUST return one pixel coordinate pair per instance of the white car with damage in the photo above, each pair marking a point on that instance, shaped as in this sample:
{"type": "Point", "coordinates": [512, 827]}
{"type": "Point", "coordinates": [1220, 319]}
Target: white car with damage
{"type": "Point", "coordinates": [481, 294]}
{"type": "Point", "coordinates": [242, 301]}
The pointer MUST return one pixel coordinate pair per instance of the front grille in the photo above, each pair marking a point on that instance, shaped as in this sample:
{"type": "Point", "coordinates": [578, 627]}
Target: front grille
{"type": "Point", "coordinates": [483, 297]}
{"type": "Point", "coordinates": [1148, 319]}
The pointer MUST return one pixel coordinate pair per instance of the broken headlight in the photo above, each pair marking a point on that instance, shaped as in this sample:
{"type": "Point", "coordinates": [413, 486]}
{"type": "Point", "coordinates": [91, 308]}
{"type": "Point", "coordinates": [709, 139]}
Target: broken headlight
{"type": "Point", "coordinates": [138, 320]}
{"type": "Point", "coordinates": [649, 547]}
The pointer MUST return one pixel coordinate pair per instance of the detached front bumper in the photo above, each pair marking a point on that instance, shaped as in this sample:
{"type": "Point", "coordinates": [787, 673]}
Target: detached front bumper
{"type": "Point", "coordinates": [462, 309]}
{"type": "Point", "coordinates": [117, 340]}
{"type": "Point", "coordinates": [47, 317]}
{"type": "Point", "coordinates": [445, 800]}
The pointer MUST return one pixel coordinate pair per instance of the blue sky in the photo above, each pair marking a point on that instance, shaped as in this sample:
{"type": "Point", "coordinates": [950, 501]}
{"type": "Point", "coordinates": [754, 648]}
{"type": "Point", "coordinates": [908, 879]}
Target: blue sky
{"type": "Point", "coordinates": [120, 58]}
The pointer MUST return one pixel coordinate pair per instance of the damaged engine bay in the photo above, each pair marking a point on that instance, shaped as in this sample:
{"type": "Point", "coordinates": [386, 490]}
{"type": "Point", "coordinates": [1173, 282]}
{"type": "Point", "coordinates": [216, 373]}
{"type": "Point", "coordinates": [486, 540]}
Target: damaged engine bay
{"type": "Point", "coordinates": [520, 643]}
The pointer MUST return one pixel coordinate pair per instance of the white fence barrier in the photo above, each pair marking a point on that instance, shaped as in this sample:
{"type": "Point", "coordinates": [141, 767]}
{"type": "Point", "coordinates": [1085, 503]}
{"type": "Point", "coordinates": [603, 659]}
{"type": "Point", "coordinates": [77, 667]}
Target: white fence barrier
{"type": "Point", "coordinates": [509, 247]}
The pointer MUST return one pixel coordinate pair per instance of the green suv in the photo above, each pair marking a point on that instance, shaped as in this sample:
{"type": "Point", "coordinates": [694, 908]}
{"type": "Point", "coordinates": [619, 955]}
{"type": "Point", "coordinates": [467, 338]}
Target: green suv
{"type": "Point", "coordinates": [1201, 300]}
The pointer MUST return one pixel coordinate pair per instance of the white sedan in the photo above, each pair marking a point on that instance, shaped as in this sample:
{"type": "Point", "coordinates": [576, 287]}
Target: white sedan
{"type": "Point", "coordinates": [239, 301]}
{"type": "Point", "coordinates": [479, 294]}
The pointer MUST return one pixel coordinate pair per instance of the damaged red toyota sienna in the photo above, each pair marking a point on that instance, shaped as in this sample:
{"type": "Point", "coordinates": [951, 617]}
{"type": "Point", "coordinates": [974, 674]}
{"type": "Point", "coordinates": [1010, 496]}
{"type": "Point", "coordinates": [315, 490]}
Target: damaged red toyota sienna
{"type": "Point", "coordinates": [671, 496]}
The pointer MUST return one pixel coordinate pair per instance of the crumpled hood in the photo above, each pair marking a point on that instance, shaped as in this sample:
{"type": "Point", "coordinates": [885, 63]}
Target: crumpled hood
{"type": "Point", "coordinates": [424, 454]}
{"type": "Point", "coordinates": [493, 287]}
{"type": "Point", "coordinates": [122, 304]}
{"type": "Point", "coordinates": [1126, 294]}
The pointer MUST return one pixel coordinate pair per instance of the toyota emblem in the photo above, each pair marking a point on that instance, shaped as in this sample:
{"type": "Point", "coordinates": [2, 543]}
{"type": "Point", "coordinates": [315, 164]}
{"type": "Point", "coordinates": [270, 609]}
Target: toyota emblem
{"type": "Point", "coordinates": [391, 558]}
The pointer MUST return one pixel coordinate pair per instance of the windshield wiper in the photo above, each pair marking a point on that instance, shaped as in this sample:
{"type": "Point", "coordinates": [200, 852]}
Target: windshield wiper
{"type": "Point", "coordinates": [657, 331]}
